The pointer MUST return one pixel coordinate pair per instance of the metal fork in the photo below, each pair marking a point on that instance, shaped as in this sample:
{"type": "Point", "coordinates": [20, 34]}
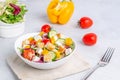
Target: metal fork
{"type": "Point", "coordinates": [103, 61]}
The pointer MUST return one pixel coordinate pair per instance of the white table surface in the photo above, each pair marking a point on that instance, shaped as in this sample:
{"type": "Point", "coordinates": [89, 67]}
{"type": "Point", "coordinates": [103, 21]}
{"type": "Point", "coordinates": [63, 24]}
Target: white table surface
{"type": "Point", "coordinates": [106, 17]}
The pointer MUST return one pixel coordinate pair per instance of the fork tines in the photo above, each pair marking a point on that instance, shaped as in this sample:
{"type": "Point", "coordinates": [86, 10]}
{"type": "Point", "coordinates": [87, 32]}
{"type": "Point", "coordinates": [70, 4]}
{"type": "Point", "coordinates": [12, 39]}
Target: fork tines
{"type": "Point", "coordinates": [108, 54]}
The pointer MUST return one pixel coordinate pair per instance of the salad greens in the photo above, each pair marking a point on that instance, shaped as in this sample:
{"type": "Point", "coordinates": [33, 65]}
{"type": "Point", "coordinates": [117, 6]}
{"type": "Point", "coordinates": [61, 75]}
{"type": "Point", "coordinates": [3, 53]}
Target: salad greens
{"type": "Point", "coordinates": [12, 12]}
{"type": "Point", "coordinates": [11, 1]}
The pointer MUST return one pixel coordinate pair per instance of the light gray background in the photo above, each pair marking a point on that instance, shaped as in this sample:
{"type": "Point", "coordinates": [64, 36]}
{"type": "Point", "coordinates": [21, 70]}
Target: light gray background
{"type": "Point", "coordinates": [106, 17]}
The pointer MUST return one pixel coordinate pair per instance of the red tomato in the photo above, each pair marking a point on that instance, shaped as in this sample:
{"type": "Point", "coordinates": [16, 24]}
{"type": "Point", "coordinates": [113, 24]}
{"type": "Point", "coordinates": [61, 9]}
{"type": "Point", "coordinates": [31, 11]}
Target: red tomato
{"type": "Point", "coordinates": [28, 54]}
{"type": "Point", "coordinates": [45, 41]}
{"type": "Point", "coordinates": [46, 28]}
{"type": "Point", "coordinates": [85, 22]}
{"type": "Point", "coordinates": [89, 39]}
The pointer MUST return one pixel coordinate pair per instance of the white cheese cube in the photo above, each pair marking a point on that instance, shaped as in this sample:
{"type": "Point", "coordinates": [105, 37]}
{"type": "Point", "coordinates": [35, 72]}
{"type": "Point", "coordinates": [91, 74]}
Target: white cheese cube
{"type": "Point", "coordinates": [55, 37]}
{"type": "Point", "coordinates": [37, 37]}
{"type": "Point", "coordinates": [68, 51]}
{"type": "Point", "coordinates": [39, 50]}
{"type": "Point", "coordinates": [26, 42]}
{"type": "Point", "coordinates": [35, 58]}
{"type": "Point", "coordinates": [58, 43]}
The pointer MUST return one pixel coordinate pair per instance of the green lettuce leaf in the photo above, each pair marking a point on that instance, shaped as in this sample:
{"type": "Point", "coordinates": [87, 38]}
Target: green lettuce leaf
{"type": "Point", "coordinates": [10, 18]}
{"type": "Point", "coordinates": [11, 1]}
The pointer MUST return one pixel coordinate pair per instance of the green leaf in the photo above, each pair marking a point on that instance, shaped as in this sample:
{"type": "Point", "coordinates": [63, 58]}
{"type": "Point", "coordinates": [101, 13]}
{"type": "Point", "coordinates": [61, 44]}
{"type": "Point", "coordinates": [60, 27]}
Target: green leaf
{"type": "Point", "coordinates": [73, 46]}
{"type": "Point", "coordinates": [11, 1]}
{"type": "Point", "coordinates": [21, 50]}
{"type": "Point", "coordinates": [10, 18]}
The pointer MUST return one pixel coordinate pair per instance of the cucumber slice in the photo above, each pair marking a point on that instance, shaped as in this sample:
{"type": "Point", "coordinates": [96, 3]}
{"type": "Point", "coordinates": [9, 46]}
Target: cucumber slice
{"type": "Point", "coordinates": [60, 41]}
{"type": "Point", "coordinates": [73, 46]}
{"type": "Point", "coordinates": [52, 33]}
{"type": "Point", "coordinates": [21, 50]}
{"type": "Point", "coordinates": [53, 55]}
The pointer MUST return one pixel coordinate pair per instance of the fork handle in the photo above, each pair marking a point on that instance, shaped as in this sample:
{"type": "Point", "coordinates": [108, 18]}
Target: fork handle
{"type": "Point", "coordinates": [90, 72]}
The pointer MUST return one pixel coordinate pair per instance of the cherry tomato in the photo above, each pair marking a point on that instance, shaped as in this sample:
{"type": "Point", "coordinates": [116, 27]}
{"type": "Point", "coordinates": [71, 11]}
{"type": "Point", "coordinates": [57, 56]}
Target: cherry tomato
{"type": "Point", "coordinates": [85, 22]}
{"type": "Point", "coordinates": [45, 41]}
{"type": "Point", "coordinates": [89, 39]}
{"type": "Point", "coordinates": [46, 28]}
{"type": "Point", "coordinates": [28, 54]}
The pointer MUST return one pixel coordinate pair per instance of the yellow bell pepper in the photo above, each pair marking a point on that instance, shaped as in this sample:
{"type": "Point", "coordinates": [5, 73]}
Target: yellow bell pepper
{"type": "Point", "coordinates": [45, 52]}
{"type": "Point", "coordinates": [31, 38]}
{"type": "Point", "coordinates": [27, 46]}
{"type": "Point", "coordinates": [58, 56]}
{"type": "Point", "coordinates": [68, 41]}
{"type": "Point", "coordinates": [60, 11]}
{"type": "Point", "coordinates": [52, 39]}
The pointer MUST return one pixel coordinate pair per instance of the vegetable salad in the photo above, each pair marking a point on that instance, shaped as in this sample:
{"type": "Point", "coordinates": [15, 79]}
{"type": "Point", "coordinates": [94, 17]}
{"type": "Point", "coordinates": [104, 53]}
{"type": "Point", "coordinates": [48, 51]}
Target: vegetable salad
{"type": "Point", "coordinates": [11, 13]}
{"type": "Point", "coordinates": [47, 47]}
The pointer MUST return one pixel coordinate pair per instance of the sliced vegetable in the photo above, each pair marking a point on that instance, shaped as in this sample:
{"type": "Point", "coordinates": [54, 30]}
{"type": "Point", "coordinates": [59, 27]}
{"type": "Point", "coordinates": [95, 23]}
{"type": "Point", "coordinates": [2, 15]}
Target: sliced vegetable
{"type": "Point", "coordinates": [58, 56]}
{"type": "Point", "coordinates": [47, 58]}
{"type": "Point", "coordinates": [53, 55]}
{"type": "Point", "coordinates": [21, 50]}
{"type": "Point", "coordinates": [60, 41]}
{"type": "Point", "coordinates": [61, 49]}
{"type": "Point", "coordinates": [72, 46]}
{"type": "Point", "coordinates": [28, 54]}
{"type": "Point", "coordinates": [45, 52]}
{"type": "Point", "coordinates": [52, 40]}
{"type": "Point", "coordinates": [52, 33]}
{"type": "Point", "coordinates": [68, 41]}
{"type": "Point", "coordinates": [50, 46]}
